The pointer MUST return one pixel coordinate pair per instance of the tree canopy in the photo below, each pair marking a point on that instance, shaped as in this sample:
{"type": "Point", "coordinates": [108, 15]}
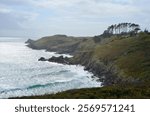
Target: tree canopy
{"type": "Point", "coordinates": [122, 28]}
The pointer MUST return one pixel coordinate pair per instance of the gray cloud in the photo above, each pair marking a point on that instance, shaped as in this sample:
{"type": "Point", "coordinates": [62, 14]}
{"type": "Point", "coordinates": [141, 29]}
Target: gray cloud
{"type": "Point", "coordinates": [76, 17]}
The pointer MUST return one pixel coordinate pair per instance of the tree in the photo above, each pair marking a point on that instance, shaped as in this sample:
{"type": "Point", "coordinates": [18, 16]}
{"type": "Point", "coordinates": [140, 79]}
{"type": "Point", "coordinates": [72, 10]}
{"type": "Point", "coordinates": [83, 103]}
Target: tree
{"type": "Point", "coordinates": [115, 29]}
{"type": "Point", "coordinates": [122, 29]}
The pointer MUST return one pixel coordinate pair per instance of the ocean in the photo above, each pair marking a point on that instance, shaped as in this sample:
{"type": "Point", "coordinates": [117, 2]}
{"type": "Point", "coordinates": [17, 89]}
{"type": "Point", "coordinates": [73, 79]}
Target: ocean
{"type": "Point", "coordinates": [21, 74]}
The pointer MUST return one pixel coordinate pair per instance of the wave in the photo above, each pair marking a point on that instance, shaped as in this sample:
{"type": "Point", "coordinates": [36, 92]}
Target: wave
{"type": "Point", "coordinates": [39, 89]}
{"type": "Point", "coordinates": [36, 86]}
{"type": "Point", "coordinates": [47, 85]}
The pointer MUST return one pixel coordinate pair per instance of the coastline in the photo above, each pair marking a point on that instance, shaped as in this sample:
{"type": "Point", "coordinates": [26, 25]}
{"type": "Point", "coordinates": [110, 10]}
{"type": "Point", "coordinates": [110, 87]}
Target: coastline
{"type": "Point", "coordinates": [98, 69]}
{"type": "Point", "coordinates": [116, 61]}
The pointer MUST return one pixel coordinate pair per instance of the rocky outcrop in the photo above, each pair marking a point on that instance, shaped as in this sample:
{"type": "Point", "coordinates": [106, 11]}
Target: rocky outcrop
{"type": "Point", "coordinates": [60, 59]}
{"type": "Point", "coordinates": [105, 73]}
{"type": "Point", "coordinates": [29, 41]}
{"type": "Point", "coordinates": [42, 59]}
{"type": "Point", "coordinates": [31, 44]}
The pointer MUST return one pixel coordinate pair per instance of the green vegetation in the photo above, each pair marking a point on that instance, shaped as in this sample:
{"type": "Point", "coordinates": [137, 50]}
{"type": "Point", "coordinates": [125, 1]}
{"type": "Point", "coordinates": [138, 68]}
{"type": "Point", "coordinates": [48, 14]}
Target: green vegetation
{"type": "Point", "coordinates": [128, 29]}
{"type": "Point", "coordinates": [126, 58]}
{"type": "Point", "coordinates": [122, 28]}
{"type": "Point", "coordinates": [130, 55]}
{"type": "Point", "coordinates": [59, 43]}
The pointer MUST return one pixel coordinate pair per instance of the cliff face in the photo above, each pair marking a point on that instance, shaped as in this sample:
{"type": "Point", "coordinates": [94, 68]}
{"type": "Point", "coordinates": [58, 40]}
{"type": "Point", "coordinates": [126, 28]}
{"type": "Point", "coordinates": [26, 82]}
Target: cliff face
{"type": "Point", "coordinates": [115, 60]}
{"type": "Point", "coordinates": [105, 73]}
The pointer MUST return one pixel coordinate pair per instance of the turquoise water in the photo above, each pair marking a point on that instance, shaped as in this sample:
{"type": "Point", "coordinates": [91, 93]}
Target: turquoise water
{"type": "Point", "coordinates": [21, 74]}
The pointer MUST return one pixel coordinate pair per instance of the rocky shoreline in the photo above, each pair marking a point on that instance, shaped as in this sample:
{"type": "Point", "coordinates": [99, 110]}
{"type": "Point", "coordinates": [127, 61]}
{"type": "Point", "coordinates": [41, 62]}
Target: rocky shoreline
{"type": "Point", "coordinates": [60, 59]}
{"type": "Point", "coordinates": [99, 70]}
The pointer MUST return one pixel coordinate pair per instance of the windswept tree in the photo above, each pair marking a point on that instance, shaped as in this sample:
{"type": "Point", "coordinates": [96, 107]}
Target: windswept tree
{"type": "Point", "coordinates": [122, 28]}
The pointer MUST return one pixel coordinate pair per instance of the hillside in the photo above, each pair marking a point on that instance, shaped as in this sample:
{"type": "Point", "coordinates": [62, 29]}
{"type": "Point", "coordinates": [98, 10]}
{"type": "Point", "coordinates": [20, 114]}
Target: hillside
{"type": "Point", "coordinates": [122, 63]}
{"type": "Point", "coordinates": [60, 43]}
{"type": "Point", "coordinates": [120, 60]}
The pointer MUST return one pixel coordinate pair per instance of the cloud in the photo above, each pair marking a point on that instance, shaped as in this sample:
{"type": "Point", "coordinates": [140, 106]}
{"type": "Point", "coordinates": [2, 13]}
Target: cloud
{"type": "Point", "coordinates": [77, 17]}
{"type": "Point", "coordinates": [11, 19]}
{"type": "Point", "coordinates": [5, 10]}
{"type": "Point", "coordinates": [88, 8]}
{"type": "Point", "coordinates": [15, 22]}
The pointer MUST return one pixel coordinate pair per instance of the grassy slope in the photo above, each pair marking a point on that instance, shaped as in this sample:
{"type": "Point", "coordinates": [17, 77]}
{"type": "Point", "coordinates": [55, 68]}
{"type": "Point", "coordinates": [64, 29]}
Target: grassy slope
{"type": "Point", "coordinates": [129, 59]}
{"type": "Point", "coordinates": [130, 55]}
{"type": "Point", "coordinates": [61, 43]}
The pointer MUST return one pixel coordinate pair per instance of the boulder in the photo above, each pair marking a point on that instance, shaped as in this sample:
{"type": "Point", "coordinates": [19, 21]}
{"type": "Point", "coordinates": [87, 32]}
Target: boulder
{"type": "Point", "coordinates": [42, 59]}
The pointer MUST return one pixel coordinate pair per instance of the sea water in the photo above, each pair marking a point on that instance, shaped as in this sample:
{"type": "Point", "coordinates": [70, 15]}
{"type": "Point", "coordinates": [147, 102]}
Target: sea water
{"type": "Point", "coordinates": [21, 74]}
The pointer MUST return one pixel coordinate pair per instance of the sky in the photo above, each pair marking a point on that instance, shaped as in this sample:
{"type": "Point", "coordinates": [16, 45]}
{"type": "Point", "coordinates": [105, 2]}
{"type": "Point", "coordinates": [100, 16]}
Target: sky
{"type": "Point", "coordinates": [37, 18]}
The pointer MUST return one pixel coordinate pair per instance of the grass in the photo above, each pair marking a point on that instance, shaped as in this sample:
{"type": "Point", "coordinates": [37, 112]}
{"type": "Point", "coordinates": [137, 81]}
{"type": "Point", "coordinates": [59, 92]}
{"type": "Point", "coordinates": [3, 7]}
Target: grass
{"type": "Point", "coordinates": [131, 56]}
{"type": "Point", "coordinates": [61, 43]}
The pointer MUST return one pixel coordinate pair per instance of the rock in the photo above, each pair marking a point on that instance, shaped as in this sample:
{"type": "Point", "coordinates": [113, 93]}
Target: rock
{"type": "Point", "coordinates": [60, 59]}
{"type": "Point", "coordinates": [29, 41]}
{"type": "Point", "coordinates": [42, 59]}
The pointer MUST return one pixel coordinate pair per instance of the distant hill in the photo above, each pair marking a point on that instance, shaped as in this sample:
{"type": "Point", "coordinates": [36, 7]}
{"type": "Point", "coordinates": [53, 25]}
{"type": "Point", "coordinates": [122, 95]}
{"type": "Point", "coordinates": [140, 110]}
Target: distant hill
{"type": "Point", "coordinates": [60, 43]}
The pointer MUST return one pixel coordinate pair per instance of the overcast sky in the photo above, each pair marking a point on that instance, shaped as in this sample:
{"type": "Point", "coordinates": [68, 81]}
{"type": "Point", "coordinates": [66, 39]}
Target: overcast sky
{"type": "Point", "coordinates": [37, 18]}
